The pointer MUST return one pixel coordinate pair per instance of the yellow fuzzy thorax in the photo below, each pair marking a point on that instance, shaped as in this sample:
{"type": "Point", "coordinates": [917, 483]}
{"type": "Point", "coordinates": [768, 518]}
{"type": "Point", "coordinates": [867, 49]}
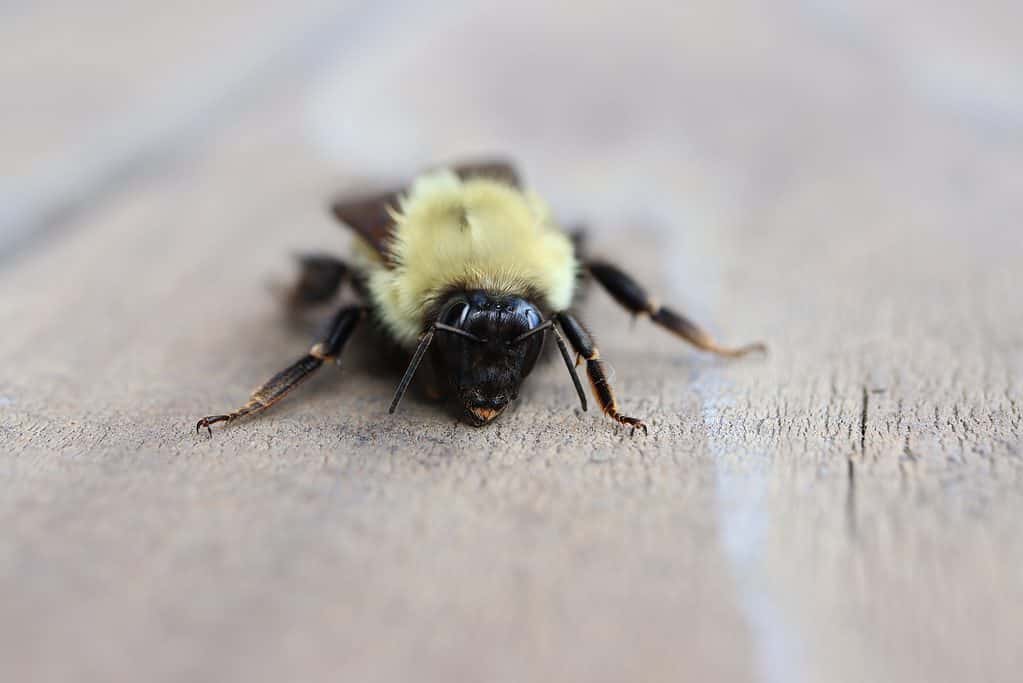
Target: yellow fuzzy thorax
{"type": "Point", "coordinates": [478, 234]}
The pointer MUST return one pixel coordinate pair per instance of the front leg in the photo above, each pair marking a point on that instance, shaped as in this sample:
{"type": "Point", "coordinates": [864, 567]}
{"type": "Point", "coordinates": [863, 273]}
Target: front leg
{"type": "Point", "coordinates": [630, 294]}
{"type": "Point", "coordinates": [328, 349]}
{"type": "Point", "coordinates": [584, 345]}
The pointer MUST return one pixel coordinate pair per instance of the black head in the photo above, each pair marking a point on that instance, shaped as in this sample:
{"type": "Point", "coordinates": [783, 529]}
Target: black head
{"type": "Point", "coordinates": [485, 367]}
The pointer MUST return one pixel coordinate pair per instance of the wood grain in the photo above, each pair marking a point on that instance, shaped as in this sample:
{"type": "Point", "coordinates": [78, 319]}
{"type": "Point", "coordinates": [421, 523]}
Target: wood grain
{"type": "Point", "coordinates": [101, 95]}
{"type": "Point", "coordinates": [840, 184]}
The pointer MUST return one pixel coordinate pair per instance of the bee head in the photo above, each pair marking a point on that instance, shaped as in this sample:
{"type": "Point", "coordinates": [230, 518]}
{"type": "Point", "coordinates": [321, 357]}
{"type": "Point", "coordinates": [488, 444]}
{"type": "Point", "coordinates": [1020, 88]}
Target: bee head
{"type": "Point", "coordinates": [485, 366]}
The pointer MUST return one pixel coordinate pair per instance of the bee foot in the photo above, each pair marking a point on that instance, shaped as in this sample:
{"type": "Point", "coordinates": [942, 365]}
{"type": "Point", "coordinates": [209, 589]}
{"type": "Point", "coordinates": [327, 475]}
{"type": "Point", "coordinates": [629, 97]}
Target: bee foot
{"type": "Point", "coordinates": [210, 420]}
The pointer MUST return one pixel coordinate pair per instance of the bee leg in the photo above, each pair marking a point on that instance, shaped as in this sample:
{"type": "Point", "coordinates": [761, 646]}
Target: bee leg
{"type": "Point", "coordinates": [329, 348]}
{"type": "Point", "coordinates": [583, 344]}
{"type": "Point", "coordinates": [631, 295]}
{"type": "Point", "coordinates": [580, 238]}
{"type": "Point", "coordinates": [319, 280]}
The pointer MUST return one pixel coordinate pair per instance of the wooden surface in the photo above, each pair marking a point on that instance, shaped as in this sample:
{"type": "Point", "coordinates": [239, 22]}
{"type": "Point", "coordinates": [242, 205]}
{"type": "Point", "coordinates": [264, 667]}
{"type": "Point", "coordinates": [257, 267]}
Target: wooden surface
{"type": "Point", "coordinates": [843, 183]}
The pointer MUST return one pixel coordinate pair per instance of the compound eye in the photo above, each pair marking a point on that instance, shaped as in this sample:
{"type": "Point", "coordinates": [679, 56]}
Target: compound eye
{"type": "Point", "coordinates": [532, 318]}
{"type": "Point", "coordinates": [455, 314]}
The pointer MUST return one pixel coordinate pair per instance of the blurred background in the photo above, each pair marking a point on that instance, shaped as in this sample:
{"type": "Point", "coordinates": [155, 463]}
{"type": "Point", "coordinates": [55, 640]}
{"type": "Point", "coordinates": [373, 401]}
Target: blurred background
{"type": "Point", "coordinates": [844, 180]}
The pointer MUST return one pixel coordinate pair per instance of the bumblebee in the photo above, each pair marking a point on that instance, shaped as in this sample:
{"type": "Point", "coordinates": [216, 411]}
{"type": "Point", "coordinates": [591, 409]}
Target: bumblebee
{"type": "Point", "coordinates": [469, 268]}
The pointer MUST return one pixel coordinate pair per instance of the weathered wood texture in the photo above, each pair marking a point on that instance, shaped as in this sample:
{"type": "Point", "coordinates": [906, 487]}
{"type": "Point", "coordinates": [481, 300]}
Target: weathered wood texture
{"type": "Point", "coordinates": [845, 184]}
{"type": "Point", "coordinates": [99, 95]}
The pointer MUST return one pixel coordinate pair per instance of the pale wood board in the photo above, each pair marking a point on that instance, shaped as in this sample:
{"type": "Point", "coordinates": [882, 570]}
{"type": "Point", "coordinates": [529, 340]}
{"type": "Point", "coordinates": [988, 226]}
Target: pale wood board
{"type": "Point", "coordinates": [99, 95]}
{"type": "Point", "coordinates": [844, 185]}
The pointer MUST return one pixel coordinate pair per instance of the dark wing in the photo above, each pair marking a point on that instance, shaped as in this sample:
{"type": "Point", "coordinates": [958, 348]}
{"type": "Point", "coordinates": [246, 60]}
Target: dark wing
{"type": "Point", "coordinates": [369, 216]}
{"type": "Point", "coordinates": [495, 169]}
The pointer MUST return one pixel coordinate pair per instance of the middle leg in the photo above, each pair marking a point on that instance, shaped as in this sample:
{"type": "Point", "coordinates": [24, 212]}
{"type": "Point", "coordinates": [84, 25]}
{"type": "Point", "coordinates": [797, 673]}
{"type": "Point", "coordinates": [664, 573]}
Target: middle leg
{"type": "Point", "coordinates": [631, 295]}
{"type": "Point", "coordinates": [320, 280]}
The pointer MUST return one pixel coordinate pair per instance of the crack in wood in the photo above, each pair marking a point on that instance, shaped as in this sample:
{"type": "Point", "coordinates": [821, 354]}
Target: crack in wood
{"type": "Point", "coordinates": [863, 421]}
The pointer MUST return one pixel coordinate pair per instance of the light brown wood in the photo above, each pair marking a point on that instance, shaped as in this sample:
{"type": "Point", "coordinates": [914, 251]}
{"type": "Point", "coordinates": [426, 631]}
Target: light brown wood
{"type": "Point", "coordinates": [99, 95]}
{"type": "Point", "coordinates": [845, 186]}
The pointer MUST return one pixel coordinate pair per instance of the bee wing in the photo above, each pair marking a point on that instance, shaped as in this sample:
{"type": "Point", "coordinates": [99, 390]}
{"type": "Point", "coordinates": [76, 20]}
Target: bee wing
{"type": "Point", "coordinates": [369, 215]}
{"type": "Point", "coordinates": [495, 169]}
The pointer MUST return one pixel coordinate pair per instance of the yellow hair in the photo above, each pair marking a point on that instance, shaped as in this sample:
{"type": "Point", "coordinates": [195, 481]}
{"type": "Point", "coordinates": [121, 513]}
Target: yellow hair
{"type": "Point", "coordinates": [478, 234]}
